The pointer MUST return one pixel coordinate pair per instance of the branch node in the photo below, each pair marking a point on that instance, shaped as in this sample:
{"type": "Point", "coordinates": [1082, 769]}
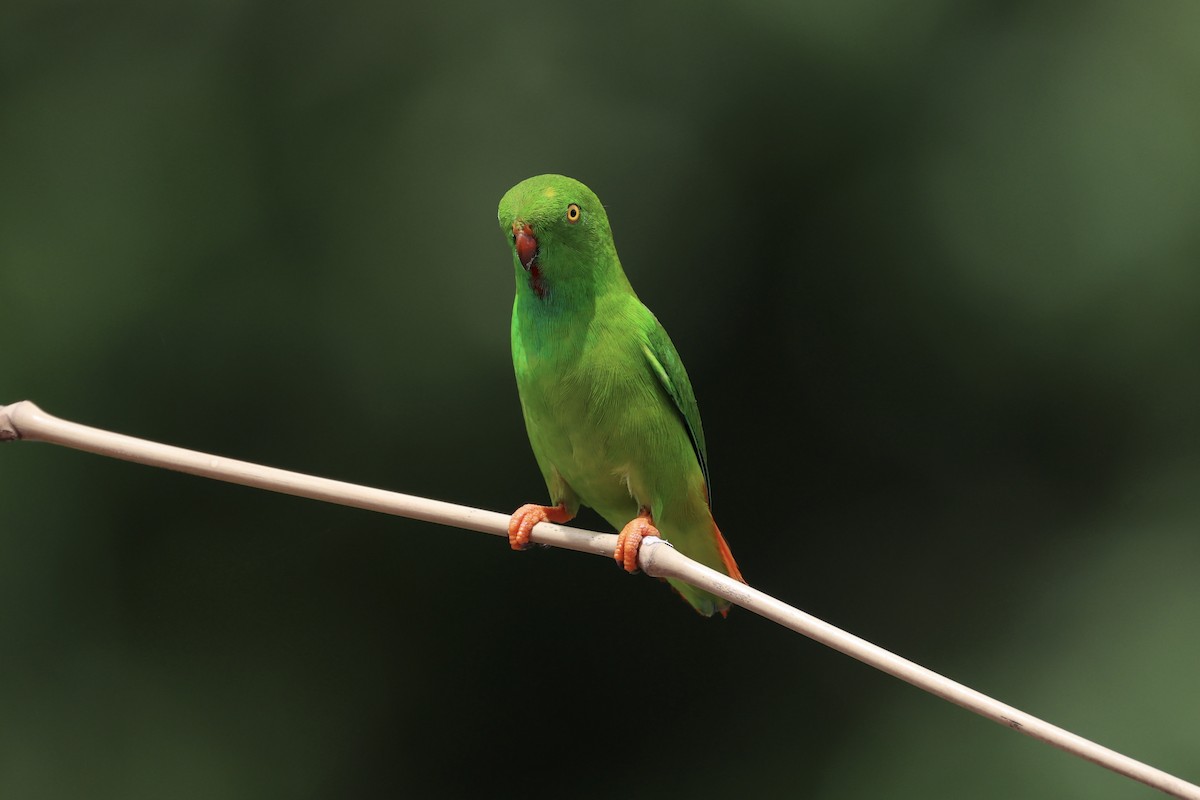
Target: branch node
{"type": "Point", "coordinates": [651, 548]}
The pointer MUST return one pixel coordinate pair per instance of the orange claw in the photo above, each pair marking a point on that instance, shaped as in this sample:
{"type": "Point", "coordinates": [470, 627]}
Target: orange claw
{"type": "Point", "coordinates": [629, 540]}
{"type": "Point", "coordinates": [520, 526]}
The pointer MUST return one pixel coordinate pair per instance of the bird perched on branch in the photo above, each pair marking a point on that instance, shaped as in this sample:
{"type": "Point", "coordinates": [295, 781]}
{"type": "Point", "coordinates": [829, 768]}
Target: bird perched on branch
{"type": "Point", "coordinates": [609, 408]}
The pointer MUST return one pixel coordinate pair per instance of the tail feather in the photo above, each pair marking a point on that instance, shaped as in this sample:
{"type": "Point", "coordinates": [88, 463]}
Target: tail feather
{"type": "Point", "coordinates": [726, 556]}
{"type": "Point", "coordinates": [705, 603]}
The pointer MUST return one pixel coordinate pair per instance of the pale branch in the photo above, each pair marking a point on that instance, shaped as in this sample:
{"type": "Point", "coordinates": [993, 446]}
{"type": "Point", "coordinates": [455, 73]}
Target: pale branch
{"type": "Point", "coordinates": [24, 420]}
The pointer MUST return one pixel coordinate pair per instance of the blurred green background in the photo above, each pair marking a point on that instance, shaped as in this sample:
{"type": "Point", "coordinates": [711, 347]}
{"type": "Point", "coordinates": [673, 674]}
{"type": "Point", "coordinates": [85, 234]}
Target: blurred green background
{"type": "Point", "coordinates": [934, 268]}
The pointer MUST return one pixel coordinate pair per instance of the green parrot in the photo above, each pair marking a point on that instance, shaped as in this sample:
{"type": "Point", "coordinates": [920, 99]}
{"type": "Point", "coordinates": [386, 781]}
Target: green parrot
{"type": "Point", "coordinates": [609, 408]}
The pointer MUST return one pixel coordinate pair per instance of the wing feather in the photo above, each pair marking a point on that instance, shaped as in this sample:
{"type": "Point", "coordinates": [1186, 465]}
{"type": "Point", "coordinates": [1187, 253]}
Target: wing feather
{"type": "Point", "coordinates": [665, 363]}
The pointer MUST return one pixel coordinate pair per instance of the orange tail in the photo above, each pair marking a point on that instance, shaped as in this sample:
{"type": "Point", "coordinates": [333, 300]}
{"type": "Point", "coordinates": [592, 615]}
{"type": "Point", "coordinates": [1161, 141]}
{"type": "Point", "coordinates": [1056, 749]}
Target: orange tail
{"type": "Point", "coordinates": [726, 556]}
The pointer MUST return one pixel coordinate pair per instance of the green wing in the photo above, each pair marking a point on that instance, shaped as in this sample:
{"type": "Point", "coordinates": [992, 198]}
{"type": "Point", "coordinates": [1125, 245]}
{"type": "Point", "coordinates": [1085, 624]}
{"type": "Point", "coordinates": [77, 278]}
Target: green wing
{"type": "Point", "coordinates": [665, 363]}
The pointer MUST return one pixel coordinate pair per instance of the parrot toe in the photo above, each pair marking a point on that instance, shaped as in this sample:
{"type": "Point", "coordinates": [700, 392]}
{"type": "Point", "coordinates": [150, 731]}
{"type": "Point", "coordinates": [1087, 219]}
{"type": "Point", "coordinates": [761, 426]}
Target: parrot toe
{"type": "Point", "coordinates": [520, 525]}
{"type": "Point", "coordinates": [629, 541]}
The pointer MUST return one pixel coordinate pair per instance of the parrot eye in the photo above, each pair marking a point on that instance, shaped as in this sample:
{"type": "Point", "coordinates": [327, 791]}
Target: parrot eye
{"type": "Point", "coordinates": [573, 213]}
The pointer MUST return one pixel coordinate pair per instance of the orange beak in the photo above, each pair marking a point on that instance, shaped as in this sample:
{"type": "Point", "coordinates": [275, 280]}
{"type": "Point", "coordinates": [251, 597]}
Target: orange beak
{"type": "Point", "coordinates": [527, 245]}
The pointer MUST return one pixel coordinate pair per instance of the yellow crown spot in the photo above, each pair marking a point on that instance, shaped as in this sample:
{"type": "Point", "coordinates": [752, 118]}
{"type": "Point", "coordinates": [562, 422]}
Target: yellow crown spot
{"type": "Point", "coordinates": [550, 192]}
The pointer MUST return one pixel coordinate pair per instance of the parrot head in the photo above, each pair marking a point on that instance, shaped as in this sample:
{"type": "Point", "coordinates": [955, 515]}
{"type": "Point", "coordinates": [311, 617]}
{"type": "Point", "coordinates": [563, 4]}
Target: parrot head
{"type": "Point", "coordinates": [559, 234]}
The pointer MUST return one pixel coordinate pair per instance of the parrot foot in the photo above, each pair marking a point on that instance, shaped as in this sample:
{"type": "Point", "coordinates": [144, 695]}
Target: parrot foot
{"type": "Point", "coordinates": [629, 540]}
{"type": "Point", "coordinates": [520, 526]}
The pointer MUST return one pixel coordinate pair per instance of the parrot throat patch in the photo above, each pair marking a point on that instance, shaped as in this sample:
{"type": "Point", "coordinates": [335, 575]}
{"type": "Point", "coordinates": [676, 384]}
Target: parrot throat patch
{"type": "Point", "coordinates": [536, 282]}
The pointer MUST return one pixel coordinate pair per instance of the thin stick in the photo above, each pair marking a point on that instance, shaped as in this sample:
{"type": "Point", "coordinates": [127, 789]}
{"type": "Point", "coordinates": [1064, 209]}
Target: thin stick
{"type": "Point", "coordinates": [25, 420]}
